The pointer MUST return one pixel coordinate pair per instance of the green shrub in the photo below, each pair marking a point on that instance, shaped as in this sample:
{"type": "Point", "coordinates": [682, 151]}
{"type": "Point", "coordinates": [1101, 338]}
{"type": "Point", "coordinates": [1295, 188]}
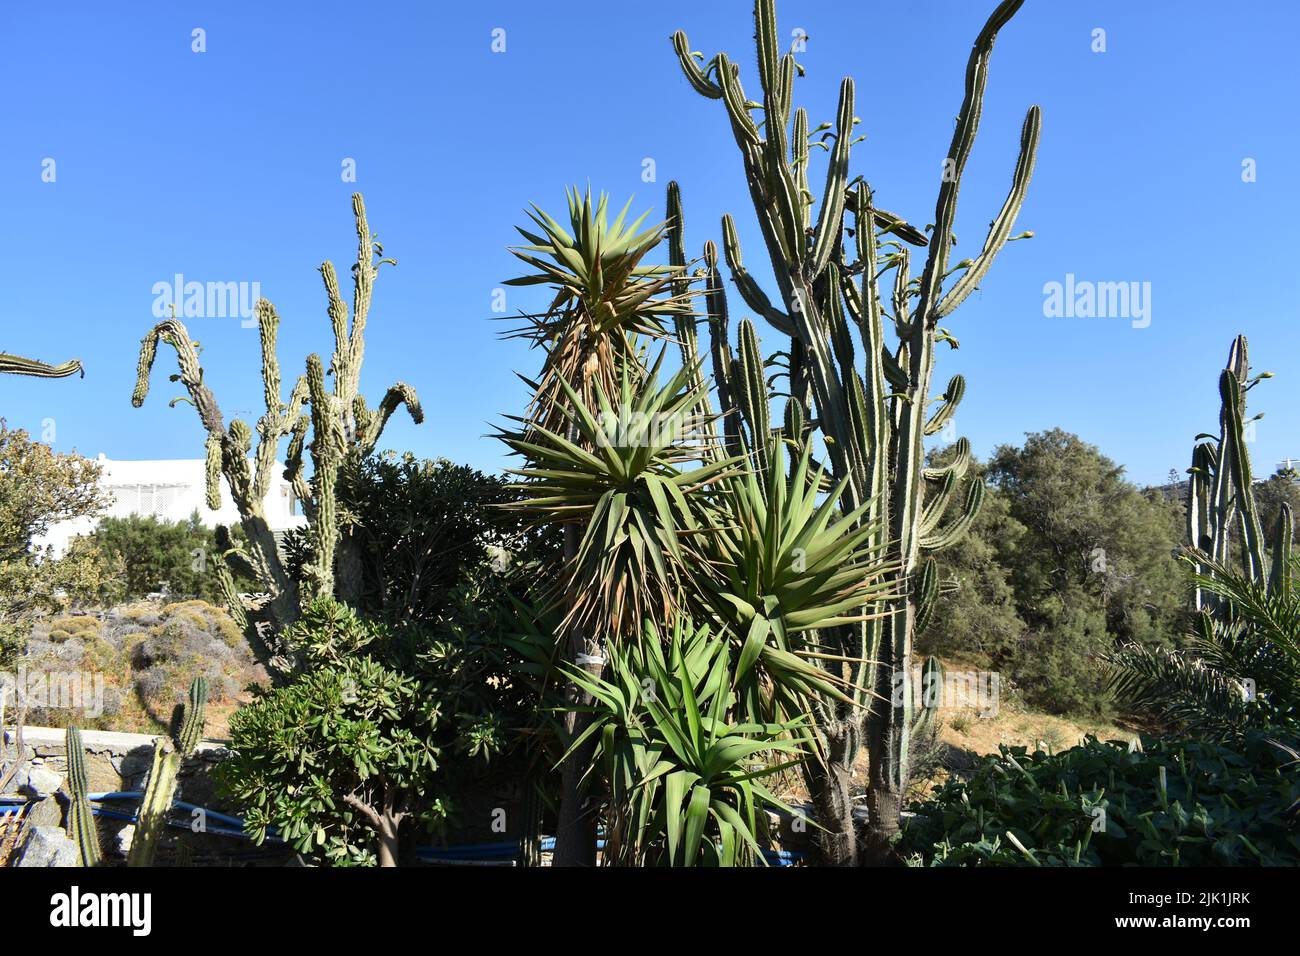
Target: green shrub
{"type": "Point", "coordinates": [1174, 803]}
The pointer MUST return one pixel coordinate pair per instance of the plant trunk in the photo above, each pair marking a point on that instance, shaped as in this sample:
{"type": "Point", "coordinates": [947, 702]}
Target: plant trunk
{"type": "Point", "coordinates": [575, 829]}
{"type": "Point", "coordinates": [836, 841]}
{"type": "Point", "coordinates": [389, 840]}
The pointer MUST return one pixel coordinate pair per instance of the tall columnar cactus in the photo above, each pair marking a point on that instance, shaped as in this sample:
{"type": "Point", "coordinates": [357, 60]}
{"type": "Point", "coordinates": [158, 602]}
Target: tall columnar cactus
{"type": "Point", "coordinates": [1220, 490]}
{"type": "Point", "coordinates": [81, 820]}
{"type": "Point", "coordinates": [17, 365]}
{"type": "Point", "coordinates": [160, 791]}
{"type": "Point", "coordinates": [343, 430]}
{"type": "Point", "coordinates": [872, 408]}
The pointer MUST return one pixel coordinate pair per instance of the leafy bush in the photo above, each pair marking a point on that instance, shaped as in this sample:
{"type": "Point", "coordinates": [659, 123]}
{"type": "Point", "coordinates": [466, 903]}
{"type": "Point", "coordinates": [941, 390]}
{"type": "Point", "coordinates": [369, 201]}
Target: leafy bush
{"type": "Point", "coordinates": [384, 725]}
{"type": "Point", "coordinates": [413, 531]}
{"type": "Point", "coordinates": [1173, 803]}
{"type": "Point", "coordinates": [684, 777]}
{"type": "Point", "coordinates": [157, 555]}
{"type": "Point", "coordinates": [336, 761]}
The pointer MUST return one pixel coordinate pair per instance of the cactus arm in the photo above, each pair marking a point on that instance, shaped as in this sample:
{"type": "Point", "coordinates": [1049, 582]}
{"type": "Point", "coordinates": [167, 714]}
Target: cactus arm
{"type": "Point", "coordinates": [831, 220]}
{"type": "Point", "coordinates": [715, 299]}
{"type": "Point", "coordinates": [951, 399]}
{"type": "Point", "coordinates": [156, 805]}
{"type": "Point", "coordinates": [927, 596]}
{"type": "Point", "coordinates": [81, 821]}
{"type": "Point", "coordinates": [958, 152]}
{"type": "Point", "coordinates": [1000, 228]}
{"type": "Point", "coordinates": [954, 532]}
{"type": "Point", "coordinates": [160, 792]}
{"type": "Point", "coordinates": [1234, 455]}
{"type": "Point", "coordinates": [937, 503]}
{"type": "Point", "coordinates": [697, 77]}
{"type": "Point", "coordinates": [749, 289]}
{"type": "Point", "coordinates": [957, 467]}
{"type": "Point", "coordinates": [684, 321]}
{"type": "Point", "coordinates": [1280, 577]}
{"type": "Point", "coordinates": [17, 365]}
{"type": "Point", "coordinates": [397, 395]}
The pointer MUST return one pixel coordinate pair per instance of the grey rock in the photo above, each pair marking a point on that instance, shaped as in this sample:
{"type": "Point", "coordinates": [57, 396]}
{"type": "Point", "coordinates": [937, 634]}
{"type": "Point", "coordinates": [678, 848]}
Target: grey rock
{"type": "Point", "coordinates": [42, 781]}
{"type": "Point", "coordinates": [124, 838]}
{"type": "Point", "coordinates": [48, 846]}
{"type": "Point", "coordinates": [44, 813]}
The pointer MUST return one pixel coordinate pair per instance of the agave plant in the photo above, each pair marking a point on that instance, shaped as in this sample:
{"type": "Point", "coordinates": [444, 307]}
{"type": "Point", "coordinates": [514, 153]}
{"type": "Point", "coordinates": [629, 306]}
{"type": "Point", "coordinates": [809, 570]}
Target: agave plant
{"type": "Point", "coordinates": [618, 469]}
{"type": "Point", "coordinates": [684, 778]}
{"type": "Point", "coordinates": [790, 566]}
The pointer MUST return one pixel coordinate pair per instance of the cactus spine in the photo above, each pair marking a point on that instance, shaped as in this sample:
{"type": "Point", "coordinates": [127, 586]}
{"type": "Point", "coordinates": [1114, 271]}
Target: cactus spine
{"type": "Point", "coordinates": [871, 410]}
{"type": "Point", "coordinates": [81, 820]}
{"type": "Point", "coordinates": [343, 429]}
{"type": "Point", "coordinates": [160, 792]}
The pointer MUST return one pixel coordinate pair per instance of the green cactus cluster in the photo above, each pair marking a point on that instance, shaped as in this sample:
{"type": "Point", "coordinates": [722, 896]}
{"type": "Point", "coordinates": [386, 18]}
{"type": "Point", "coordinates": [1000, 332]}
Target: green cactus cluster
{"type": "Point", "coordinates": [81, 819]}
{"type": "Point", "coordinates": [160, 791]}
{"type": "Point", "coordinates": [867, 395]}
{"type": "Point", "coordinates": [1221, 494]}
{"type": "Point", "coordinates": [342, 428]}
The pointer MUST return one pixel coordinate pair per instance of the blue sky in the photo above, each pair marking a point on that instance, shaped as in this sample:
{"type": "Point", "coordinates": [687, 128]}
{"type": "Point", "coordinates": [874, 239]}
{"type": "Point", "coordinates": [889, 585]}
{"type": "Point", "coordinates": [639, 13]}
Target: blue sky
{"type": "Point", "coordinates": [226, 166]}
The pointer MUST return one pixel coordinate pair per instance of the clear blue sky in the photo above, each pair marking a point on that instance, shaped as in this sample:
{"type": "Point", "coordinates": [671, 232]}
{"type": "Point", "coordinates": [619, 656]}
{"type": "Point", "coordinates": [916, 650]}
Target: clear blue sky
{"type": "Point", "coordinates": [225, 166]}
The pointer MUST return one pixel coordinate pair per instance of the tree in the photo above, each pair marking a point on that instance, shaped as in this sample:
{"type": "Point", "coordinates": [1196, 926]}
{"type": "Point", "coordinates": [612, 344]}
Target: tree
{"type": "Point", "coordinates": [157, 555]}
{"type": "Point", "coordinates": [1094, 567]}
{"type": "Point", "coordinates": [39, 487]}
{"type": "Point", "coordinates": [421, 528]}
{"type": "Point", "coordinates": [976, 618]}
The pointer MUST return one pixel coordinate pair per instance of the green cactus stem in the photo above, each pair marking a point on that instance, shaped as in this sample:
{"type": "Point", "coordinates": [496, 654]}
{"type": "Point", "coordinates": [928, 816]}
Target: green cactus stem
{"type": "Point", "coordinates": [81, 820]}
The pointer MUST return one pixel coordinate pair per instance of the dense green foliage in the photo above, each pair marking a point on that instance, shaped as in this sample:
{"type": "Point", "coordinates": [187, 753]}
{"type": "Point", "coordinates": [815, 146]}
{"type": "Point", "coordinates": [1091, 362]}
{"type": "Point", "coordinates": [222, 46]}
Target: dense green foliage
{"type": "Point", "coordinates": [39, 487]}
{"type": "Point", "coordinates": [686, 781]}
{"type": "Point", "coordinates": [157, 555]}
{"type": "Point", "coordinates": [417, 529]}
{"type": "Point", "coordinates": [1067, 561]}
{"type": "Point", "coordinates": [376, 738]}
{"type": "Point", "coordinates": [1171, 803]}
{"type": "Point", "coordinates": [395, 710]}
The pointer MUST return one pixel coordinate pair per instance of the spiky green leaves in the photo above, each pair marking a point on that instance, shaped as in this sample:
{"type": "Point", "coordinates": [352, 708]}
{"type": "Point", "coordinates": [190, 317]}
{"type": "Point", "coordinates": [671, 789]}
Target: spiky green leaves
{"type": "Point", "coordinates": [683, 771]}
{"type": "Point", "coordinates": [789, 562]}
{"type": "Point", "coordinates": [620, 472]}
{"type": "Point", "coordinates": [597, 264]}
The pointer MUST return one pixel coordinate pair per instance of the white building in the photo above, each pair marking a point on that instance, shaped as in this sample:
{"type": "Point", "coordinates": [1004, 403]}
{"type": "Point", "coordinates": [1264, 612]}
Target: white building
{"type": "Point", "coordinates": [171, 490]}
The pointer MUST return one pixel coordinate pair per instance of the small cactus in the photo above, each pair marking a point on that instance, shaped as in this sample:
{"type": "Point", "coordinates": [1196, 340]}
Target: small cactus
{"type": "Point", "coordinates": [160, 792]}
{"type": "Point", "coordinates": [81, 819]}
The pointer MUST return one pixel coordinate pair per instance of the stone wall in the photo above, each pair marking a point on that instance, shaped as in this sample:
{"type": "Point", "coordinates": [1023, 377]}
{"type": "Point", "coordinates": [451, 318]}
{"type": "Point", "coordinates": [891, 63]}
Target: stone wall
{"type": "Point", "coordinates": [115, 762]}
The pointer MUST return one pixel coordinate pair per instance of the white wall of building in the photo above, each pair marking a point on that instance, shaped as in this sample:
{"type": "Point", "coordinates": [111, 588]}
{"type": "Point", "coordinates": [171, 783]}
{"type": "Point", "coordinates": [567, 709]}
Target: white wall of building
{"type": "Point", "coordinates": [171, 490]}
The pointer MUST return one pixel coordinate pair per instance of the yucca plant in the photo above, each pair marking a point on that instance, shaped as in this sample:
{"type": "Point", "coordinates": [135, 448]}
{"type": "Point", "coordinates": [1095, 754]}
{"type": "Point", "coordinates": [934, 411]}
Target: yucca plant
{"type": "Point", "coordinates": [605, 297]}
{"type": "Point", "coordinates": [789, 562]}
{"type": "Point", "coordinates": [684, 776]}
{"type": "Point", "coordinates": [620, 476]}
{"type": "Point", "coordinates": [605, 300]}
